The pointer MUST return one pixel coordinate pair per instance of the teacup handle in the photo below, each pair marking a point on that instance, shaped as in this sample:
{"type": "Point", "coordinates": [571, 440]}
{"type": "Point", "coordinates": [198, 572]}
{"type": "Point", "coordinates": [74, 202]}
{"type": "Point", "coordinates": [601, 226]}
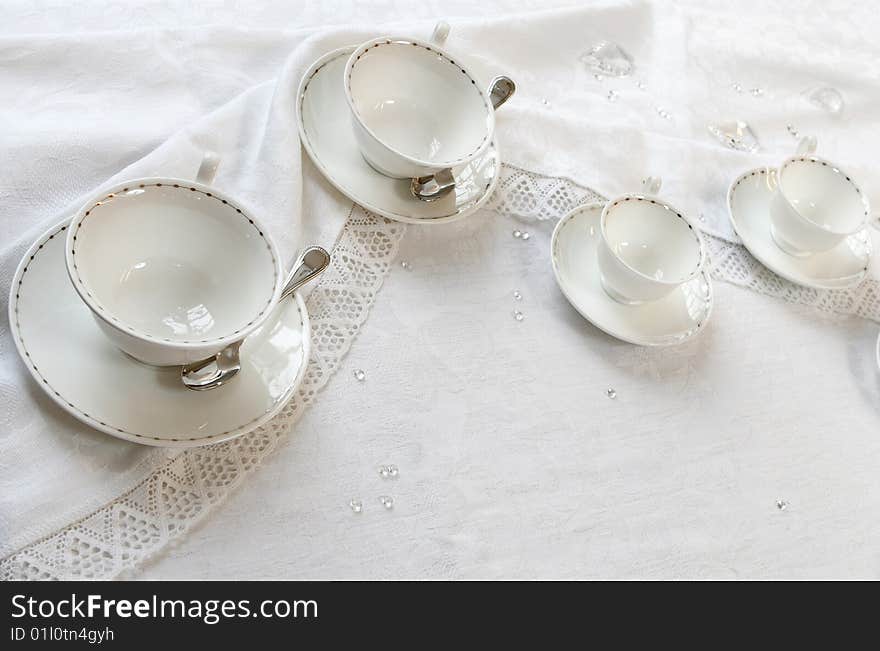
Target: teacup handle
{"type": "Point", "coordinates": [208, 168]}
{"type": "Point", "coordinates": [440, 33]}
{"type": "Point", "coordinates": [651, 185]}
{"type": "Point", "coordinates": [807, 146]}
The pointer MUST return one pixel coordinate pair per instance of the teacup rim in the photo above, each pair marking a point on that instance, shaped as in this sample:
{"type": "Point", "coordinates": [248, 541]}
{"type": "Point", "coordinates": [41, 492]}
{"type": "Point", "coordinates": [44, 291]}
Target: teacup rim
{"type": "Point", "coordinates": [837, 169]}
{"type": "Point", "coordinates": [122, 326]}
{"type": "Point", "coordinates": [431, 47]}
{"type": "Point", "coordinates": [680, 214]}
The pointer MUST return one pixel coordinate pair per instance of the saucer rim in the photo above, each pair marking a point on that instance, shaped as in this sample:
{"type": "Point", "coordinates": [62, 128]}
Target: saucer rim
{"type": "Point", "coordinates": [29, 256]}
{"type": "Point", "coordinates": [599, 206]}
{"type": "Point", "coordinates": [842, 282]}
{"type": "Point", "coordinates": [310, 72]}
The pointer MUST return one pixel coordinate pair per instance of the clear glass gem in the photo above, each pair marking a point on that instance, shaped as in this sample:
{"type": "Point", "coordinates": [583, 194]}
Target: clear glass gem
{"type": "Point", "coordinates": [736, 135]}
{"type": "Point", "coordinates": [405, 265]}
{"type": "Point", "coordinates": [609, 59]}
{"type": "Point", "coordinates": [359, 375]}
{"type": "Point", "coordinates": [519, 316]}
{"type": "Point", "coordinates": [737, 87]}
{"type": "Point", "coordinates": [826, 98]}
{"type": "Point", "coordinates": [387, 502]}
{"type": "Point", "coordinates": [663, 113]}
{"type": "Point", "coordinates": [611, 393]}
{"type": "Point", "coordinates": [613, 95]}
{"type": "Point", "coordinates": [356, 505]}
{"type": "Point", "coordinates": [545, 102]}
{"type": "Point", "coordinates": [781, 504]}
{"type": "Point", "coordinates": [517, 234]}
{"type": "Point", "coordinates": [757, 92]}
{"type": "Point", "coordinates": [794, 132]}
{"type": "Point", "coordinates": [517, 296]}
{"type": "Point", "coordinates": [525, 235]}
{"type": "Point", "coordinates": [598, 77]}
{"type": "Point", "coordinates": [384, 472]}
{"type": "Point", "coordinates": [641, 85]}
{"type": "Point", "coordinates": [393, 471]}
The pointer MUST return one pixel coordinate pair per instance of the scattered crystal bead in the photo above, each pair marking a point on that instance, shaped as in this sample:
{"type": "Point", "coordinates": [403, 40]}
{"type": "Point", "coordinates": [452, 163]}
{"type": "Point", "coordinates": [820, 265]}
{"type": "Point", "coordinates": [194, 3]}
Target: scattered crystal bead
{"type": "Point", "coordinates": [757, 92]}
{"type": "Point", "coordinates": [663, 113]}
{"type": "Point", "coordinates": [525, 235]}
{"type": "Point", "coordinates": [517, 296]}
{"type": "Point", "coordinates": [611, 393]}
{"type": "Point", "coordinates": [737, 87]}
{"type": "Point", "coordinates": [826, 98]}
{"type": "Point", "coordinates": [387, 502]}
{"type": "Point", "coordinates": [608, 58]}
{"type": "Point", "coordinates": [356, 505]}
{"type": "Point", "coordinates": [359, 375]}
{"type": "Point", "coordinates": [545, 102]}
{"type": "Point", "coordinates": [781, 504]}
{"type": "Point", "coordinates": [517, 234]}
{"type": "Point", "coordinates": [384, 471]}
{"type": "Point", "coordinates": [405, 265]}
{"type": "Point", "coordinates": [736, 135]}
{"type": "Point", "coordinates": [597, 76]}
{"type": "Point", "coordinates": [393, 471]}
{"type": "Point", "coordinates": [792, 130]}
{"type": "Point", "coordinates": [641, 85]}
{"type": "Point", "coordinates": [612, 95]}
{"type": "Point", "coordinates": [519, 316]}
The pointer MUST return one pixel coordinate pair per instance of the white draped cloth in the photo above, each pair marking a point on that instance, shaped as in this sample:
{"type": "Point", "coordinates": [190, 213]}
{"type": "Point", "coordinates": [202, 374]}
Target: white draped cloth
{"type": "Point", "coordinates": [751, 451]}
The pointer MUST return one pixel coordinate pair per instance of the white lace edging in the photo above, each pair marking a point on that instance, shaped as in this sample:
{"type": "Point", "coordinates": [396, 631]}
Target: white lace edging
{"type": "Point", "coordinates": [169, 502]}
{"type": "Point", "coordinates": [530, 196]}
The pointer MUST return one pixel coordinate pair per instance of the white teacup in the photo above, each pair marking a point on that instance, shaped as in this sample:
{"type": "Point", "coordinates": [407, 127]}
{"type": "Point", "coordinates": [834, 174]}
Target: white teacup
{"type": "Point", "coordinates": [173, 270]}
{"type": "Point", "coordinates": [417, 111]}
{"type": "Point", "coordinates": [815, 204]}
{"type": "Point", "coordinates": [647, 248]}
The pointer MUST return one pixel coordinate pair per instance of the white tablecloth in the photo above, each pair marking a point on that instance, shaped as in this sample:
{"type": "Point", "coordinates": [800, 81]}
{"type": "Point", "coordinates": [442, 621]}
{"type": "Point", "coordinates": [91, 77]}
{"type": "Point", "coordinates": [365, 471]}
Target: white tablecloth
{"type": "Point", "coordinates": [513, 460]}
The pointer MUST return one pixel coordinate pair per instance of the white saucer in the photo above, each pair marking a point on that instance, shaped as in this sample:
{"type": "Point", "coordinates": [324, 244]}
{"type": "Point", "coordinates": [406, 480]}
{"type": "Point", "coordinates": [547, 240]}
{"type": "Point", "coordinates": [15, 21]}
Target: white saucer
{"type": "Point", "coordinates": [843, 266]}
{"type": "Point", "coordinates": [670, 320]}
{"type": "Point", "coordinates": [327, 135]}
{"type": "Point", "coordinates": [87, 376]}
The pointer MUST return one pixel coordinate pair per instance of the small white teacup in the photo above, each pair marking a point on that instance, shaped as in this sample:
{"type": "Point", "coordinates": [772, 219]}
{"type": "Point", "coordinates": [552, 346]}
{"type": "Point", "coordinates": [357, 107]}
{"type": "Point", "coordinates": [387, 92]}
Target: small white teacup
{"type": "Point", "coordinates": [647, 247]}
{"type": "Point", "coordinates": [417, 111]}
{"type": "Point", "coordinates": [173, 270]}
{"type": "Point", "coordinates": [815, 204]}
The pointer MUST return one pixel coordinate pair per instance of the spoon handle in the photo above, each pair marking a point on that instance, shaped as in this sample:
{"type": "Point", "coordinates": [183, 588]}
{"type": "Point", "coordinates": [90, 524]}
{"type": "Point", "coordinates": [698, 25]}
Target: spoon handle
{"type": "Point", "coordinates": [310, 263]}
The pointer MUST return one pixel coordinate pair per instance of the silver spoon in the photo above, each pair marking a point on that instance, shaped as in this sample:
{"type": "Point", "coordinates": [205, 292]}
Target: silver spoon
{"type": "Point", "coordinates": [216, 371]}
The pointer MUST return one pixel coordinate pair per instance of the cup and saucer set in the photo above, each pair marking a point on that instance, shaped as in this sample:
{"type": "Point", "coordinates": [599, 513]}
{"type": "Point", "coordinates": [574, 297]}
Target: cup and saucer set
{"type": "Point", "coordinates": [160, 312]}
{"type": "Point", "coordinates": [635, 266]}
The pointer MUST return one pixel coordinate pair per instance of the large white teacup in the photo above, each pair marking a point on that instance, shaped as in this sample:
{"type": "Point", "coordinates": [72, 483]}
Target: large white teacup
{"type": "Point", "coordinates": [418, 111]}
{"type": "Point", "coordinates": [647, 247]}
{"type": "Point", "coordinates": [173, 270]}
{"type": "Point", "coordinates": [815, 204]}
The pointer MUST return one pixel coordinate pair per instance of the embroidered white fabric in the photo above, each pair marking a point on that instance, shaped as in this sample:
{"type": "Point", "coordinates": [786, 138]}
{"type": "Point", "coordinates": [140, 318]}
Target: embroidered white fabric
{"type": "Point", "coordinates": [138, 524]}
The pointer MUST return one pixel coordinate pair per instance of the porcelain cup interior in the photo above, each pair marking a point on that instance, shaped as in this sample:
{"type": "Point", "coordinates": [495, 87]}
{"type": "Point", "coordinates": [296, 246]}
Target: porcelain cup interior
{"type": "Point", "coordinates": [172, 269]}
{"type": "Point", "coordinates": [815, 206]}
{"type": "Point", "coordinates": [647, 249]}
{"type": "Point", "coordinates": [415, 108]}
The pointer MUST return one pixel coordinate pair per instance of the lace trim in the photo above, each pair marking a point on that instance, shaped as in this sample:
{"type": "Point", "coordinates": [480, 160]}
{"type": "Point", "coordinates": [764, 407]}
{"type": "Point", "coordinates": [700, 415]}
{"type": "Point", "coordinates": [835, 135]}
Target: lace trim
{"type": "Point", "coordinates": [170, 501]}
{"type": "Point", "coordinates": [529, 196]}
{"type": "Point", "coordinates": [134, 527]}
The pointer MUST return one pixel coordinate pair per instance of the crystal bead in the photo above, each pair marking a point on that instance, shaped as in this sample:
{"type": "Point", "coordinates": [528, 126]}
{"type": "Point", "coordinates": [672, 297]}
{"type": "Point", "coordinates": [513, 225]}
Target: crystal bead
{"type": "Point", "coordinates": [519, 316]}
{"type": "Point", "coordinates": [737, 87]}
{"type": "Point", "coordinates": [517, 234]}
{"type": "Point", "coordinates": [608, 58]}
{"type": "Point", "coordinates": [387, 502]}
{"type": "Point", "coordinates": [792, 130]}
{"type": "Point", "coordinates": [384, 472]}
{"type": "Point", "coordinates": [393, 471]}
{"type": "Point", "coordinates": [827, 98]}
{"type": "Point", "coordinates": [517, 296]}
{"type": "Point", "coordinates": [612, 95]}
{"type": "Point", "coordinates": [736, 135]}
{"type": "Point", "coordinates": [525, 235]}
{"type": "Point", "coordinates": [359, 375]}
{"type": "Point", "coordinates": [405, 265]}
{"type": "Point", "coordinates": [545, 102]}
{"type": "Point", "coordinates": [641, 85]}
{"type": "Point", "coordinates": [757, 92]}
{"type": "Point", "coordinates": [356, 505]}
{"type": "Point", "coordinates": [611, 393]}
{"type": "Point", "coordinates": [781, 504]}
